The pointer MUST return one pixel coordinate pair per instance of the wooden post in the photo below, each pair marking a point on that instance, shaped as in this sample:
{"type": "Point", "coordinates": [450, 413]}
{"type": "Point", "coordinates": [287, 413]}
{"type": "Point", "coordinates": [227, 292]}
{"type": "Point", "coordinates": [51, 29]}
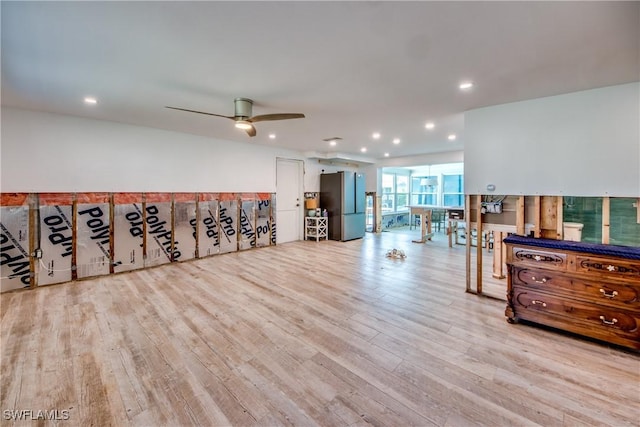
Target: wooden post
{"type": "Point", "coordinates": [378, 214]}
{"type": "Point", "coordinates": [606, 219]}
{"type": "Point", "coordinates": [479, 244]}
{"type": "Point", "coordinates": [74, 238]}
{"type": "Point", "coordinates": [520, 216]}
{"type": "Point", "coordinates": [498, 256]}
{"type": "Point", "coordinates": [34, 263]}
{"type": "Point", "coordinates": [537, 226]}
{"type": "Point", "coordinates": [467, 216]}
{"type": "Point", "coordinates": [559, 220]}
{"type": "Point", "coordinates": [112, 228]}
{"type": "Point", "coordinates": [198, 219]}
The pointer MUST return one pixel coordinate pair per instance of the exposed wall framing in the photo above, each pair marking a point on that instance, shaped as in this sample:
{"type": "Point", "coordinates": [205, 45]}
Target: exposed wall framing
{"type": "Point", "coordinates": [58, 237]}
{"type": "Point", "coordinates": [538, 216]}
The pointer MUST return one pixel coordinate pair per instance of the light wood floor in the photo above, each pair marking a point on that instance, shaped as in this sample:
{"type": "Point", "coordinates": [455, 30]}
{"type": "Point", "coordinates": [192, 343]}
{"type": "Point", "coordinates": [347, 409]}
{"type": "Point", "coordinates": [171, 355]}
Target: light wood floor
{"type": "Point", "coordinates": [305, 333]}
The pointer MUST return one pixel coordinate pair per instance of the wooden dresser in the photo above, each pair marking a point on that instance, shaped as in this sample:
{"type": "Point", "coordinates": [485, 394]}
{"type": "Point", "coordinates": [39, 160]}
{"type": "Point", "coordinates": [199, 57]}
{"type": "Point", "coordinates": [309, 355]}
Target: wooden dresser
{"type": "Point", "coordinates": [588, 289]}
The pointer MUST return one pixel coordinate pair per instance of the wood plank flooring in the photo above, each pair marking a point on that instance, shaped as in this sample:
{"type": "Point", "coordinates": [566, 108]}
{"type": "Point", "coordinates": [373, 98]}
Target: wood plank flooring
{"type": "Point", "coordinates": [304, 333]}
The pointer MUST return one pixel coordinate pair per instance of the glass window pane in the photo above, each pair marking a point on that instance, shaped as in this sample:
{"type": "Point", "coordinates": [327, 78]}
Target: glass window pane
{"type": "Point", "coordinates": [625, 229]}
{"type": "Point", "coordinates": [453, 199]}
{"type": "Point", "coordinates": [388, 203]}
{"type": "Point", "coordinates": [401, 199]}
{"type": "Point", "coordinates": [453, 184]}
{"type": "Point", "coordinates": [402, 184]}
{"type": "Point", "coordinates": [388, 183]}
{"type": "Point", "coordinates": [586, 211]}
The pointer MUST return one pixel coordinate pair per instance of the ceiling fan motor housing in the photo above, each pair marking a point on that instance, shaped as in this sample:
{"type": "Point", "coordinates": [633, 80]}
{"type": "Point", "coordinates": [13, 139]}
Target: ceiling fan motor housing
{"type": "Point", "coordinates": [243, 108]}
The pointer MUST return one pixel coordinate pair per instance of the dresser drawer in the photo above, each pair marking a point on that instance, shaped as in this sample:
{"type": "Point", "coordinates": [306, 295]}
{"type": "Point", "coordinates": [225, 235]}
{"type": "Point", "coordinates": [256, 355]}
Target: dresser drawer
{"type": "Point", "coordinates": [549, 259]}
{"type": "Point", "coordinates": [594, 320]}
{"type": "Point", "coordinates": [611, 293]}
{"type": "Point", "coordinates": [608, 267]}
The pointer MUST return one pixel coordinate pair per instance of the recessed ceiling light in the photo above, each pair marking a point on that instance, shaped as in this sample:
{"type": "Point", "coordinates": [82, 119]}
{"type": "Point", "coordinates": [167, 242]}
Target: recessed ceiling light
{"type": "Point", "coordinates": [396, 141]}
{"type": "Point", "coordinates": [272, 136]}
{"type": "Point", "coordinates": [376, 135]}
{"type": "Point", "coordinates": [363, 149]}
{"type": "Point", "coordinates": [430, 125]}
{"type": "Point", "coordinates": [465, 85]}
{"type": "Point", "coordinates": [333, 142]}
{"type": "Point", "coordinates": [386, 154]}
{"type": "Point", "coordinates": [90, 100]}
{"type": "Point", "coordinates": [452, 137]}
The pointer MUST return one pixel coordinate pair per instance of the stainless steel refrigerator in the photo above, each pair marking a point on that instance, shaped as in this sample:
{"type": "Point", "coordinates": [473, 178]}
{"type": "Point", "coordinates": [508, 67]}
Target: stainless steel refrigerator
{"type": "Point", "coordinates": [342, 194]}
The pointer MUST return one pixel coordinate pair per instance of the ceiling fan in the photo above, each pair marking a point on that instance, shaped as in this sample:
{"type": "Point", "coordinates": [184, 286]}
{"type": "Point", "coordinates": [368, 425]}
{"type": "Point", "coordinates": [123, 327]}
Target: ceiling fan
{"type": "Point", "coordinates": [242, 115]}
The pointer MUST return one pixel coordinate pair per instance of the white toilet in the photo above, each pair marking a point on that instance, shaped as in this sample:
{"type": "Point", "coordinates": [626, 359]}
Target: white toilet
{"type": "Point", "coordinates": [572, 231]}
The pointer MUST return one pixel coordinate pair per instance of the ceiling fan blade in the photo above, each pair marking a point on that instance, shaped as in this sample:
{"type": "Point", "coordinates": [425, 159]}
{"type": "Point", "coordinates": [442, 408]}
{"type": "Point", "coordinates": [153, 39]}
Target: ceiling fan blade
{"type": "Point", "coordinates": [278, 116]}
{"type": "Point", "coordinates": [201, 112]}
{"type": "Point", "coordinates": [251, 131]}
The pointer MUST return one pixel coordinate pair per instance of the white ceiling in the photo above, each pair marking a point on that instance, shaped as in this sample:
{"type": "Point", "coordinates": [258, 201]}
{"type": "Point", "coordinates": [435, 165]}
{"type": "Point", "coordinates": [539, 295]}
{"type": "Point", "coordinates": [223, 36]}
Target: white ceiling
{"type": "Point", "coordinates": [352, 67]}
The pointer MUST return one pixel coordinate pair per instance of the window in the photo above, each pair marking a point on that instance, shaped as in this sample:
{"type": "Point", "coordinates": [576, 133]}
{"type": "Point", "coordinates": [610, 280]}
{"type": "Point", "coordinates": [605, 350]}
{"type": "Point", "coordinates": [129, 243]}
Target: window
{"type": "Point", "coordinates": [402, 193]}
{"type": "Point", "coordinates": [388, 192]}
{"type": "Point", "coordinates": [395, 192]}
{"type": "Point", "coordinates": [424, 190]}
{"type": "Point", "coordinates": [453, 190]}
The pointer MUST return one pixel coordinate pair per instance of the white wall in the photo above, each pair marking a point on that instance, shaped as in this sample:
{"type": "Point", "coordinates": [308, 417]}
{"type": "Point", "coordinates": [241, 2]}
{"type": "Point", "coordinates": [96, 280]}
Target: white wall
{"type": "Point", "coordinates": [580, 144]}
{"type": "Point", "coordinates": [423, 159]}
{"type": "Point", "coordinates": [313, 169]}
{"type": "Point", "coordinates": [43, 152]}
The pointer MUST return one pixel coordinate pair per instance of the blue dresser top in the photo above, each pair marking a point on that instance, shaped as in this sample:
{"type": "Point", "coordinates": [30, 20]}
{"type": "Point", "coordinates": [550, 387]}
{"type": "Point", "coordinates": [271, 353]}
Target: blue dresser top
{"type": "Point", "coordinates": [629, 252]}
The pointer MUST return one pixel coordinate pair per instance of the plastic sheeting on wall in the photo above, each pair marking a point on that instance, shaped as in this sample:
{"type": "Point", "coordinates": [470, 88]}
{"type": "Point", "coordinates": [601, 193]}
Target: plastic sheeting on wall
{"type": "Point", "coordinates": [56, 238]}
{"type": "Point", "coordinates": [247, 222]}
{"type": "Point", "coordinates": [93, 235]}
{"type": "Point", "coordinates": [15, 267]}
{"type": "Point", "coordinates": [184, 214]}
{"type": "Point", "coordinates": [263, 219]}
{"type": "Point", "coordinates": [228, 222]}
{"type": "Point", "coordinates": [159, 235]}
{"type": "Point", "coordinates": [209, 225]}
{"type": "Point", "coordinates": [90, 234]}
{"type": "Point", "coordinates": [128, 234]}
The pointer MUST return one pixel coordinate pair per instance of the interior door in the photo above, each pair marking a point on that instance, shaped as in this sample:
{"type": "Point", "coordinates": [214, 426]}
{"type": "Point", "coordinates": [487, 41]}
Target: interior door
{"type": "Point", "coordinates": [289, 204]}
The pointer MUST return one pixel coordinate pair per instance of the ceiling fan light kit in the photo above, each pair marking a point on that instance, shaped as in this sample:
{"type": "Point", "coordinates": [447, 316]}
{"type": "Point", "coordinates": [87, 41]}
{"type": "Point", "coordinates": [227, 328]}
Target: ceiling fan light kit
{"type": "Point", "coordinates": [243, 124]}
{"type": "Point", "coordinates": [242, 115]}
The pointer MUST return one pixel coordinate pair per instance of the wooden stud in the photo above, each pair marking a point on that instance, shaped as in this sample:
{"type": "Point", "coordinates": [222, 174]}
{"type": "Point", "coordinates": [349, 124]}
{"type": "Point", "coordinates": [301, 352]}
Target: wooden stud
{"type": "Point", "coordinates": [33, 244]}
{"type": "Point", "coordinates": [467, 216]}
{"type": "Point", "coordinates": [537, 226]}
{"type": "Point", "coordinates": [638, 210]}
{"type": "Point", "coordinates": [239, 220]}
{"type": "Point", "coordinates": [606, 203]}
{"type": "Point", "coordinates": [498, 271]}
{"type": "Point", "coordinates": [144, 230]}
{"type": "Point", "coordinates": [478, 244]}
{"type": "Point", "coordinates": [559, 218]}
{"type": "Point", "coordinates": [197, 253]}
{"type": "Point", "coordinates": [378, 214]}
{"type": "Point", "coordinates": [548, 217]}
{"type": "Point", "coordinates": [74, 237]}
{"type": "Point", "coordinates": [112, 228]}
{"type": "Point", "coordinates": [520, 216]}
{"type": "Point", "coordinates": [173, 225]}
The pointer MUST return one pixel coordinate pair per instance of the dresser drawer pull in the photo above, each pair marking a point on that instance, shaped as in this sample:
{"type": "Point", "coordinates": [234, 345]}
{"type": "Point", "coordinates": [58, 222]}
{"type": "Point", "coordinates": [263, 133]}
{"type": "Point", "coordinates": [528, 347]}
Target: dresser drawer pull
{"type": "Point", "coordinates": [608, 322]}
{"type": "Point", "coordinates": [542, 303]}
{"type": "Point", "coordinates": [543, 280]}
{"type": "Point", "coordinates": [611, 294]}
